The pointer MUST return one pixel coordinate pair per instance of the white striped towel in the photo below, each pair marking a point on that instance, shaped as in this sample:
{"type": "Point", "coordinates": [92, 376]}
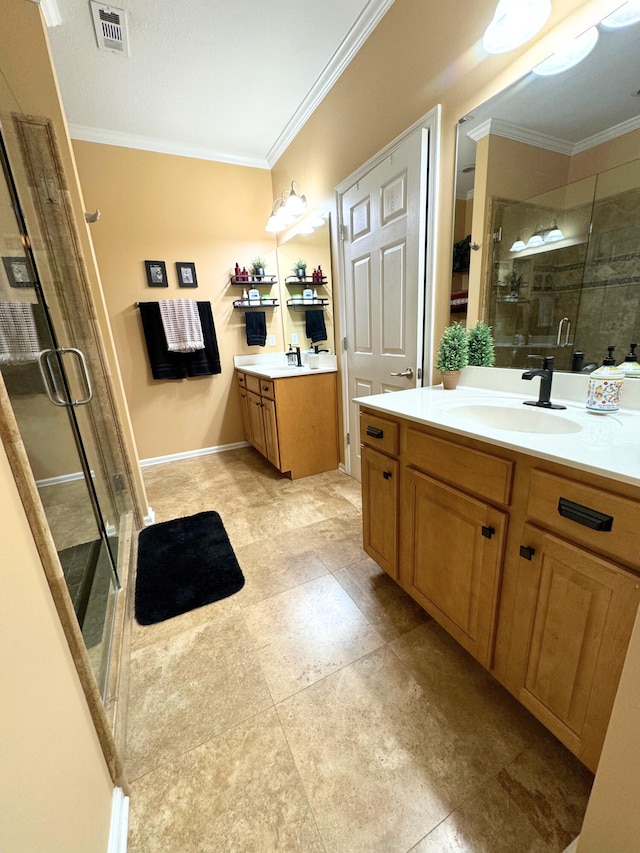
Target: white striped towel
{"type": "Point", "coordinates": [18, 335]}
{"type": "Point", "coordinates": [182, 327]}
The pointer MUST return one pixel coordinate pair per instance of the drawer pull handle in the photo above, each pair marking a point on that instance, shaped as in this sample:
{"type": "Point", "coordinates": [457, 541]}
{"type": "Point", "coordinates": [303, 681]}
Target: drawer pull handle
{"type": "Point", "coordinates": [488, 532]}
{"type": "Point", "coordinates": [584, 515]}
{"type": "Point", "coordinates": [386, 475]}
{"type": "Point", "coordinates": [527, 552]}
{"type": "Point", "coordinates": [265, 387]}
{"type": "Point", "coordinates": [375, 432]}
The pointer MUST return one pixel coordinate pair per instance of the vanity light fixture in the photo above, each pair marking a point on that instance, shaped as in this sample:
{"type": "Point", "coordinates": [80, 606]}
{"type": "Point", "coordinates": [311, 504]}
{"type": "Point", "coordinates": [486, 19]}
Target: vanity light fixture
{"type": "Point", "coordinates": [287, 207]}
{"type": "Point", "coordinates": [514, 23]}
{"type": "Point", "coordinates": [569, 54]}
{"type": "Point", "coordinates": [627, 14]}
{"type": "Point", "coordinates": [540, 236]}
{"type": "Point", "coordinates": [554, 234]}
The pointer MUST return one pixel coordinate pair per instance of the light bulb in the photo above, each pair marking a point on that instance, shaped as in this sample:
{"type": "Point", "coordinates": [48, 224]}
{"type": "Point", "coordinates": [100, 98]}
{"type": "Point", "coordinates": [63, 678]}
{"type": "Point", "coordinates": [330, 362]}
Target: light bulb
{"type": "Point", "coordinates": [514, 23]}
{"type": "Point", "coordinates": [569, 55]}
{"type": "Point", "coordinates": [626, 15]}
{"type": "Point", "coordinates": [518, 246]}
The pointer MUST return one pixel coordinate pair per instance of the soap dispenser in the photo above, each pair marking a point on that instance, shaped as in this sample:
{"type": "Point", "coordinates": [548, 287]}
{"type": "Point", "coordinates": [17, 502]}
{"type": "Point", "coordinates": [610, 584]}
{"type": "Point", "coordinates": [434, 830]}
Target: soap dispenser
{"type": "Point", "coordinates": [631, 365]}
{"type": "Point", "coordinates": [605, 385]}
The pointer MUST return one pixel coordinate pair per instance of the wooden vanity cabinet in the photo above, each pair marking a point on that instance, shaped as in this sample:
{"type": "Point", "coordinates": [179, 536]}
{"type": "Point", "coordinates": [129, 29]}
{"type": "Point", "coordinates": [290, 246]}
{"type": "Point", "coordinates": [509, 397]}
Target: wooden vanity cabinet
{"type": "Point", "coordinates": [380, 490]}
{"type": "Point", "coordinates": [567, 608]}
{"type": "Point", "coordinates": [503, 550]}
{"type": "Point", "coordinates": [292, 421]}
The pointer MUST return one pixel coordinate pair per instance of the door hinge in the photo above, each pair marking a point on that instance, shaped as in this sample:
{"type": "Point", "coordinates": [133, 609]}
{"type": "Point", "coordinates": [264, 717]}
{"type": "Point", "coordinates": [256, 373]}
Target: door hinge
{"type": "Point", "coordinates": [497, 235]}
{"type": "Point", "coordinates": [348, 438]}
{"type": "Point", "coordinates": [341, 232]}
{"type": "Point", "coordinates": [419, 373]}
{"type": "Point", "coordinates": [120, 483]}
{"type": "Point", "coordinates": [344, 343]}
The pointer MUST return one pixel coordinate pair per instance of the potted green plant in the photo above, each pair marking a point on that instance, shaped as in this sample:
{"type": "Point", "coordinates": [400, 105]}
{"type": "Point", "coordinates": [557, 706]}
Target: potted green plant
{"type": "Point", "coordinates": [300, 268]}
{"type": "Point", "coordinates": [453, 354]}
{"type": "Point", "coordinates": [258, 266]}
{"type": "Point", "coordinates": [481, 352]}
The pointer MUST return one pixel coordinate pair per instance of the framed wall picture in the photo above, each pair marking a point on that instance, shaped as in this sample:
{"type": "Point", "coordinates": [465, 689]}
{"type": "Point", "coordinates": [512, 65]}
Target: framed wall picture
{"type": "Point", "coordinates": [186, 274]}
{"type": "Point", "coordinates": [18, 271]}
{"type": "Point", "coordinates": [156, 273]}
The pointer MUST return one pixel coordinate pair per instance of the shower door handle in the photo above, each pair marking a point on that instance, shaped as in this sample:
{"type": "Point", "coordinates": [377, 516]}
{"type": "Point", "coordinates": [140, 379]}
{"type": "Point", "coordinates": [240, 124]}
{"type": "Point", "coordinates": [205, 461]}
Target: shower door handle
{"type": "Point", "coordinates": [567, 333]}
{"type": "Point", "coordinates": [48, 377]}
{"type": "Point", "coordinates": [50, 385]}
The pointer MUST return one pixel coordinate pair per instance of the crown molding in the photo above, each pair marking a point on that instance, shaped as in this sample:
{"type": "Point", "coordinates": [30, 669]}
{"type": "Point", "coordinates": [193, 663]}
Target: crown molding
{"type": "Point", "coordinates": [350, 45]}
{"type": "Point", "coordinates": [497, 127]}
{"type": "Point", "coordinates": [159, 146]}
{"type": "Point", "coordinates": [607, 135]}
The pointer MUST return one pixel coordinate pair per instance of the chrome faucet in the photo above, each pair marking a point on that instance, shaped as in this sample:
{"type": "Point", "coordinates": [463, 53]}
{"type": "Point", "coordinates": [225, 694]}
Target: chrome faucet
{"type": "Point", "coordinates": [546, 377]}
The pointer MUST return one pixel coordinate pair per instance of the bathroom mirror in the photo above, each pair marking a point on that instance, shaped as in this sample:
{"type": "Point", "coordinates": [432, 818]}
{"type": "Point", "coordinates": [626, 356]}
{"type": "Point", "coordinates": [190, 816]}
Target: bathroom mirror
{"type": "Point", "coordinates": [315, 249]}
{"type": "Point", "coordinates": [548, 188]}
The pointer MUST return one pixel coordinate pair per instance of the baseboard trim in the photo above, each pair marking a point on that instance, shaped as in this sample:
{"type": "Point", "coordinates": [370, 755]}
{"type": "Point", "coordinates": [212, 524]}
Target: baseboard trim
{"type": "Point", "coordinates": [63, 478]}
{"type": "Point", "coordinates": [119, 822]}
{"type": "Point", "coordinates": [191, 454]}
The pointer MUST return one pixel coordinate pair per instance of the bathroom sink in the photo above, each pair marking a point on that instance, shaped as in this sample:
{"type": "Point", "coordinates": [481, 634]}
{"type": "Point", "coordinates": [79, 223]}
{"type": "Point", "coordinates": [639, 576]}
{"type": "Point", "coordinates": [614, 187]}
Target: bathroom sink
{"type": "Point", "coordinates": [513, 419]}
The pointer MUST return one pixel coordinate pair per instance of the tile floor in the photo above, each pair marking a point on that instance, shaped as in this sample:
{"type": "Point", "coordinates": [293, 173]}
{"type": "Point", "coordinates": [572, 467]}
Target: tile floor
{"type": "Point", "coordinates": [320, 709]}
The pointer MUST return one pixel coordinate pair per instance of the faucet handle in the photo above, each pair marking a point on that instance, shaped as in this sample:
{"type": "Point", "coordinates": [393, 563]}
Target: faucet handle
{"type": "Point", "coordinates": [548, 362]}
{"type": "Point", "coordinates": [540, 358]}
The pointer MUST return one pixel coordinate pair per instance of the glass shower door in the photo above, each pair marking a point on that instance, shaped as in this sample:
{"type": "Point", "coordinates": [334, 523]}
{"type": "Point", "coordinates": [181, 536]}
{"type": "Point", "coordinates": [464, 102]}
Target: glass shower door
{"type": "Point", "coordinates": [50, 391]}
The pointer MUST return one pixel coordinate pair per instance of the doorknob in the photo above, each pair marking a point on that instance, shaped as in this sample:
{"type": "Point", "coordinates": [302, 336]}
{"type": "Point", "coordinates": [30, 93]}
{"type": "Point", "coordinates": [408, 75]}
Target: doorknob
{"type": "Point", "coordinates": [408, 373]}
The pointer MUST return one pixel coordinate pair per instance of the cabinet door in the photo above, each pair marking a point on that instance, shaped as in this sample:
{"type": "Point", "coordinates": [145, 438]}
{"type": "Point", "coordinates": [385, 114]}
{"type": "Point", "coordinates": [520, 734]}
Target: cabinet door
{"type": "Point", "coordinates": [455, 547]}
{"type": "Point", "coordinates": [244, 411]}
{"type": "Point", "coordinates": [581, 611]}
{"type": "Point", "coordinates": [380, 509]}
{"type": "Point", "coordinates": [271, 432]}
{"type": "Point", "coordinates": [256, 422]}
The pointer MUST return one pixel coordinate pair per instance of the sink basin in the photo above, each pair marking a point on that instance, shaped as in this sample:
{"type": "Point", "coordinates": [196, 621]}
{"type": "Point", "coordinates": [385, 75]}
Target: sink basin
{"type": "Point", "coordinates": [513, 419]}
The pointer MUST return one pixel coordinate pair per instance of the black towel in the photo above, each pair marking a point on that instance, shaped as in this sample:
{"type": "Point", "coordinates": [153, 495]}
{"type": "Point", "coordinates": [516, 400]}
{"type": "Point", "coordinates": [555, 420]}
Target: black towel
{"type": "Point", "coordinates": [316, 329]}
{"type": "Point", "coordinates": [179, 365]}
{"type": "Point", "coordinates": [256, 322]}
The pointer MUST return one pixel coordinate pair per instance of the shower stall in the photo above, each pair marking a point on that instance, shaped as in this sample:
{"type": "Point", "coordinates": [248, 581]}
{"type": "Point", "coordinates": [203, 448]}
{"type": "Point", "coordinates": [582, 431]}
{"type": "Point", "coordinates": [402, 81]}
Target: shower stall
{"type": "Point", "coordinates": [56, 383]}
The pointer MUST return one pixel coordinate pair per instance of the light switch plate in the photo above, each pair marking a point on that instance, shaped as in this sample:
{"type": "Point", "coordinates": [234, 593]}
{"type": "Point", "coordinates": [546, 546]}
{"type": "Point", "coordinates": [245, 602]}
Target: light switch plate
{"type": "Point", "coordinates": [272, 340]}
{"type": "Point", "coordinates": [294, 338]}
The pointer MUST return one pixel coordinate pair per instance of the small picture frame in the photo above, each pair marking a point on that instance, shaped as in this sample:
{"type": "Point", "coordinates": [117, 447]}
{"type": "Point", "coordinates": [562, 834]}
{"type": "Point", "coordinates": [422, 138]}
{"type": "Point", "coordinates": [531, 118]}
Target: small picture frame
{"type": "Point", "coordinates": [156, 273]}
{"type": "Point", "coordinates": [18, 271]}
{"type": "Point", "coordinates": [186, 274]}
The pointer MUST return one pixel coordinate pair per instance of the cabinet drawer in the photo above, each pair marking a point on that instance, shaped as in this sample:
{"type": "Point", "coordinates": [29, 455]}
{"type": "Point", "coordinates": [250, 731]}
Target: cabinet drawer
{"type": "Point", "coordinates": [479, 473]}
{"type": "Point", "coordinates": [379, 433]}
{"type": "Point", "coordinates": [266, 388]}
{"type": "Point", "coordinates": [252, 383]}
{"type": "Point", "coordinates": [576, 511]}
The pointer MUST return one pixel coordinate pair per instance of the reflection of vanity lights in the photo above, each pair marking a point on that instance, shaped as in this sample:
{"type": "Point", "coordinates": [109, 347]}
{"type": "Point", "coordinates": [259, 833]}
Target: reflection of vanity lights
{"type": "Point", "coordinates": [540, 236]}
{"type": "Point", "coordinates": [514, 23]}
{"type": "Point", "coordinates": [569, 54]}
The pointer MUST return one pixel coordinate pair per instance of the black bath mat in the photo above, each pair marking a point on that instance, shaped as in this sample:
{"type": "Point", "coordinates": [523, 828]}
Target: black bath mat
{"type": "Point", "coordinates": [184, 564]}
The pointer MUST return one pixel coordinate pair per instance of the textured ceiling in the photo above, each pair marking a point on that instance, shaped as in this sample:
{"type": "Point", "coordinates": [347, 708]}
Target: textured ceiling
{"type": "Point", "coordinates": [222, 79]}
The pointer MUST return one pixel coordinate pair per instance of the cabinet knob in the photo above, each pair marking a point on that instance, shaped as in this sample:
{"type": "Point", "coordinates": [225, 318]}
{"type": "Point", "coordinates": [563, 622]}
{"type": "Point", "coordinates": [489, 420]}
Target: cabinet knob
{"type": "Point", "coordinates": [527, 552]}
{"type": "Point", "coordinates": [386, 475]}
{"type": "Point", "coordinates": [488, 532]}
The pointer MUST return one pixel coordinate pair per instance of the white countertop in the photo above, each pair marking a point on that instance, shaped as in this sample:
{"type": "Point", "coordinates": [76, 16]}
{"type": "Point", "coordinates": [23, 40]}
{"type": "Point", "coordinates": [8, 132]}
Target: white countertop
{"type": "Point", "coordinates": [274, 365]}
{"type": "Point", "coordinates": [608, 445]}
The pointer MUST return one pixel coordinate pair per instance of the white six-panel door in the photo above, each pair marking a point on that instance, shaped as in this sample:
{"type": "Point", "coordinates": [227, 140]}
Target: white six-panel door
{"type": "Point", "coordinates": [383, 234]}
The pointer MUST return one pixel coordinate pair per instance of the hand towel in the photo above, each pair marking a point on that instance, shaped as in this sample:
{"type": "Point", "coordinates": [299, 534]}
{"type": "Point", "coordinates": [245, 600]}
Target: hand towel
{"type": "Point", "coordinates": [177, 365]}
{"type": "Point", "coordinates": [316, 329]}
{"type": "Point", "coordinates": [181, 323]}
{"type": "Point", "coordinates": [256, 323]}
{"type": "Point", "coordinates": [19, 342]}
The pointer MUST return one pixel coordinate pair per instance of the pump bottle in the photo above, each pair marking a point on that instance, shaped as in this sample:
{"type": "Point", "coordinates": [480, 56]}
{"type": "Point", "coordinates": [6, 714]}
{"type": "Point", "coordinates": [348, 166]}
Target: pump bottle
{"type": "Point", "coordinates": [605, 385]}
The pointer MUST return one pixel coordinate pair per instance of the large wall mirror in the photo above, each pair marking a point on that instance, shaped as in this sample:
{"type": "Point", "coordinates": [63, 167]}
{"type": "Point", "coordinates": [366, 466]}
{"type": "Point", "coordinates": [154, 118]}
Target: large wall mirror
{"type": "Point", "coordinates": [315, 249]}
{"type": "Point", "coordinates": [548, 189]}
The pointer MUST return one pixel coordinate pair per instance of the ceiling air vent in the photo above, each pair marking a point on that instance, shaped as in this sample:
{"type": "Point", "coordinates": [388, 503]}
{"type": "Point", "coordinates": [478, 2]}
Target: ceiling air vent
{"type": "Point", "coordinates": [111, 28]}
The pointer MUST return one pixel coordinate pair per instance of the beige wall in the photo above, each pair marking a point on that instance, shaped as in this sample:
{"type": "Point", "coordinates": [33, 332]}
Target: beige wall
{"type": "Point", "coordinates": [55, 789]}
{"type": "Point", "coordinates": [162, 207]}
